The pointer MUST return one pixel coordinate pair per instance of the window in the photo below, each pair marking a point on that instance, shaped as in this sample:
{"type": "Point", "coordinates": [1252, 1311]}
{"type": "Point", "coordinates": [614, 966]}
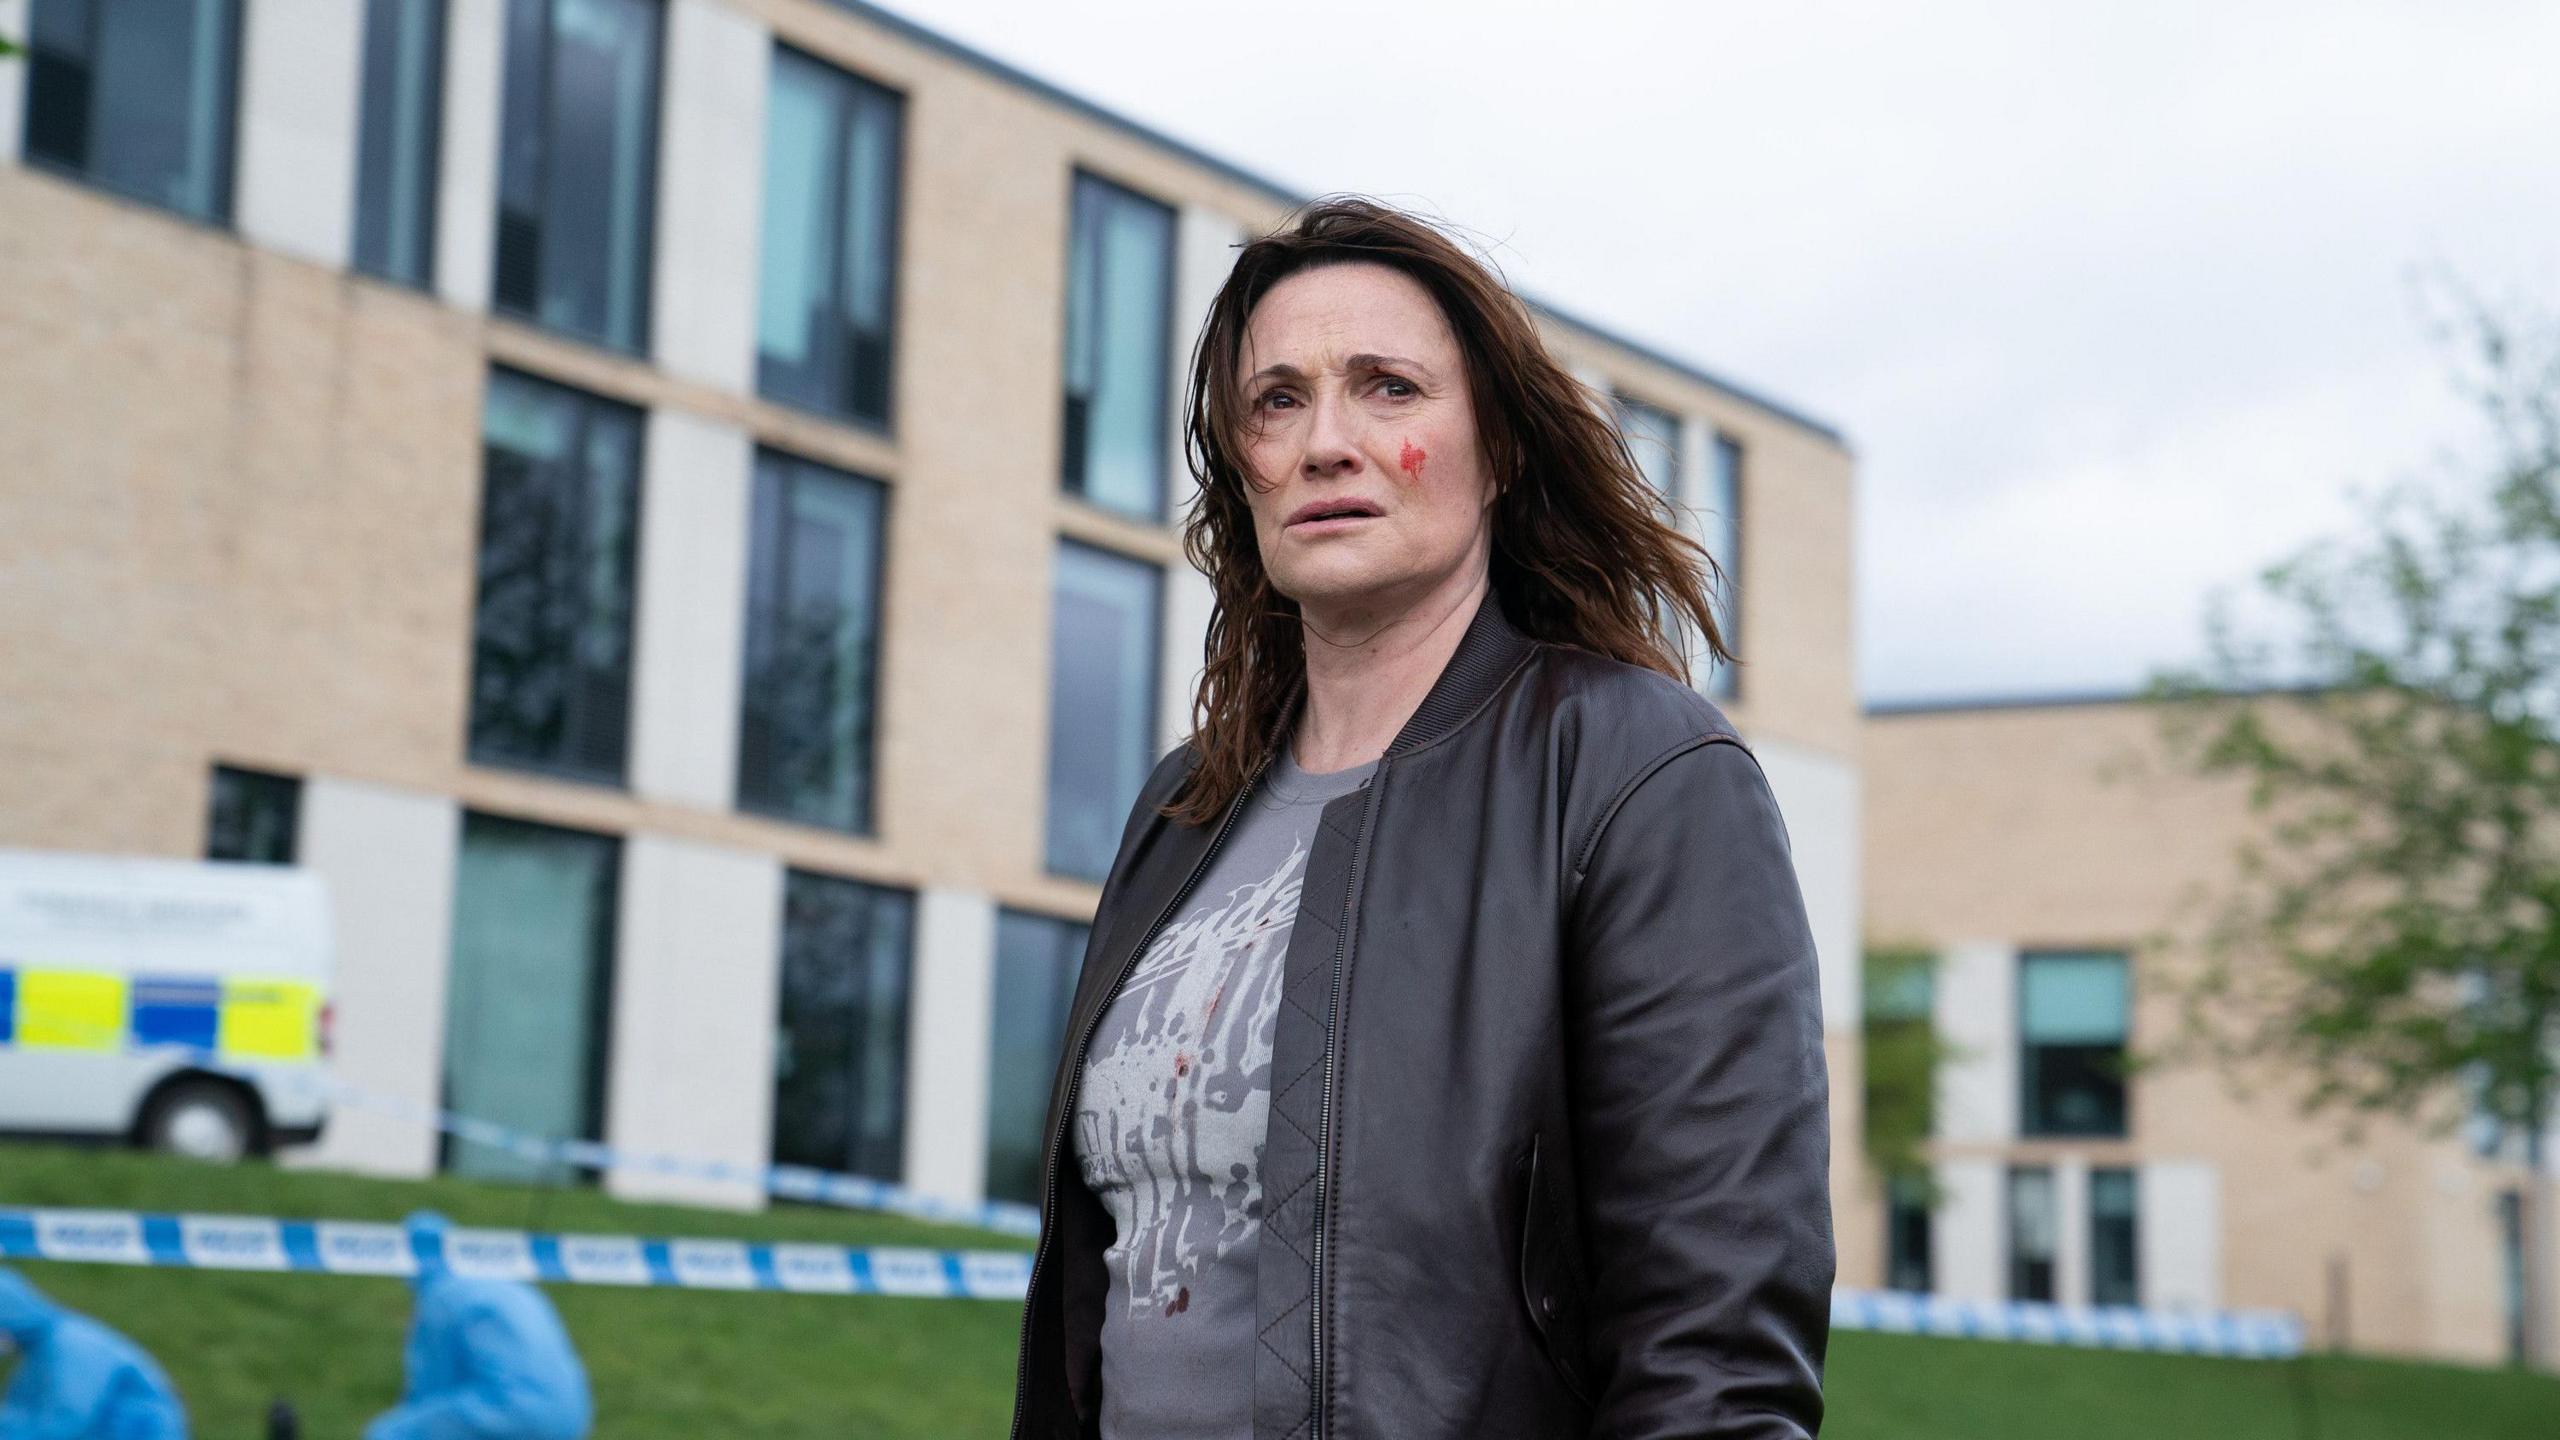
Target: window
{"type": "Point", "coordinates": [577, 167]}
{"type": "Point", "coordinates": [2031, 1234]}
{"type": "Point", "coordinates": [1119, 342]}
{"type": "Point", "coordinates": [2511, 1271]}
{"type": "Point", "coordinates": [2115, 1235]}
{"type": "Point", "coordinates": [1909, 1263]}
{"type": "Point", "coordinates": [2071, 1034]}
{"type": "Point", "coordinates": [551, 639]}
{"type": "Point", "coordinates": [840, 1044]}
{"type": "Point", "coordinates": [396, 139]}
{"type": "Point", "coordinates": [529, 997]}
{"type": "Point", "coordinates": [1037, 961]}
{"type": "Point", "coordinates": [830, 241]}
{"type": "Point", "coordinates": [253, 817]}
{"type": "Point", "coordinates": [1102, 703]}
{"type": "Point", "coordinates": [1722, 517]}
{"type": "Point", "coordinates": [138, 97]}
{"type": "Point", "coordinates": [813, 644]}
{"type": "Point", "coordinates": [1653, 433]}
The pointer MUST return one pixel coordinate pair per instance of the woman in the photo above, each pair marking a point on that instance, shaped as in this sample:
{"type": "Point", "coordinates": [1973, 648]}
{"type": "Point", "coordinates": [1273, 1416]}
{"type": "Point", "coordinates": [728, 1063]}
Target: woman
{"type": "Point", "coordinates": [1447, 1060]}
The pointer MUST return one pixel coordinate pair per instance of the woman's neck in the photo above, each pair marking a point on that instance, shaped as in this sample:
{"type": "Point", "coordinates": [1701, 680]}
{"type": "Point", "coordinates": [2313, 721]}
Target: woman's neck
{"type": "Point", "coordinates": [1364, 685]}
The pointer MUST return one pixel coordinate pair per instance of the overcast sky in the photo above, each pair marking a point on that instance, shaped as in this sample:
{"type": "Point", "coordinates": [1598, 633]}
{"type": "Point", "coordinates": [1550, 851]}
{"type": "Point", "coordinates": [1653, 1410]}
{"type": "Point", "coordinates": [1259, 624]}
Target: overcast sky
{"type": "Point", "coordinates": [2114, 301]}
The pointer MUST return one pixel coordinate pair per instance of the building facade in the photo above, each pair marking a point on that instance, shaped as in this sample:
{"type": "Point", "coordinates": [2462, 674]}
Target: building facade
{"type": "Point", "coordinates": [2061, 869]}
{"type": "Point", "coordinates": [671, 508]}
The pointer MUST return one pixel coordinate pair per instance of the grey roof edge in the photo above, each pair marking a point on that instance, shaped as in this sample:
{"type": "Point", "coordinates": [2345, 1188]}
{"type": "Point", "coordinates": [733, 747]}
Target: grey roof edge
{"type": "Point", "coordinates": [2055, 700]}
{"type": "Point", "coordinates": [940, 43]}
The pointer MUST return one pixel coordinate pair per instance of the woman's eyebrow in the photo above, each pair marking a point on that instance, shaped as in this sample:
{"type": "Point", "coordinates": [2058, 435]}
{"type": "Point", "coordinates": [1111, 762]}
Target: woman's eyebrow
{"type": "Point", "coordinates": [1363, 361]}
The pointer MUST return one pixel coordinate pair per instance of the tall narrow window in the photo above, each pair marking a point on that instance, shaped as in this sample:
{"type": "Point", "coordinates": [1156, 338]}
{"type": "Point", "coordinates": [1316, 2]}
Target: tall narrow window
{"type": "Point", "coordinates": [252, 817]}
{"type": "Point", "coordinates": [2072, 1009]}
{"type": "Point", "coordinates": [840, 1043]}
{"type": "Point", "coordinates": [528, 1000]}
{"type": "Point", "coordinates": [2511, 1271]}
{"type": "Point", "coordinates": [138, 97]}
{"type": "Point", "coordinates": [577, 167]}
{"type": "Point", "coordinates": [1102, 703]}
{"type": "Point", "coordinates": [1037, 960]}
{"type": "Point", "coordinates": [2032, 1234]}
{"type": "Point", "coordinates": [1119, 343]}
{"type": "Point", "coordinates": [551, 639]}
{"type": "Point", "coordinates": [1910, 1263]}
{"type": "Point", "coordinates": [830, 240]}
{"type": "Point", "coordinates": [813, 644]}
{"type": "Point", "coordinates": [1722, 515]}
{"type": "Point", "coordinates": [397, 139]}
{"type": "Point", "coordinates": [2115, 1238]}
{"type": "Point", "coordinates": [1653, 433]}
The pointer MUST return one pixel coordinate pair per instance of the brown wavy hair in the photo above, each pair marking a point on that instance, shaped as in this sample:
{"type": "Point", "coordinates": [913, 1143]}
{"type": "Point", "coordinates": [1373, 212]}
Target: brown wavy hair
{"type": "Point", "coordinates": [1585, 551]}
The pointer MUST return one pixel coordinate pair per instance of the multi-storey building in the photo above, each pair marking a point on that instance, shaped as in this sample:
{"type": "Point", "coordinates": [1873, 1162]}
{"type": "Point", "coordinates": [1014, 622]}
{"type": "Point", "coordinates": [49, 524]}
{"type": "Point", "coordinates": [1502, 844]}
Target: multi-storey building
{"type": "Point", "coordinates": [2062, 868]}
{"type": "Point", "coordinates": [671, 508]}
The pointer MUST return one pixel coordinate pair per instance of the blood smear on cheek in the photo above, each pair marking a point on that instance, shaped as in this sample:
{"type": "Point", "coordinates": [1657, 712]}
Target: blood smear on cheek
{"type": "Point", "coordinates": [1410, 462]}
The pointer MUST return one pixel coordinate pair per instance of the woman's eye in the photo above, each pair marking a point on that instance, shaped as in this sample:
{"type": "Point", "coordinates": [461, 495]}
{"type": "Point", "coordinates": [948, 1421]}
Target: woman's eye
{"type": "Point", "coordinates": [1397, 389]}
{"type": "Point", "coordinates": [1272, 398]}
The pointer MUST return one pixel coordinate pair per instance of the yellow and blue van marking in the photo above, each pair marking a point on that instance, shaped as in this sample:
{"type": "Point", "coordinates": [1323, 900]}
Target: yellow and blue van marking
{"type": "Point", "coordinates": [244, 1017]}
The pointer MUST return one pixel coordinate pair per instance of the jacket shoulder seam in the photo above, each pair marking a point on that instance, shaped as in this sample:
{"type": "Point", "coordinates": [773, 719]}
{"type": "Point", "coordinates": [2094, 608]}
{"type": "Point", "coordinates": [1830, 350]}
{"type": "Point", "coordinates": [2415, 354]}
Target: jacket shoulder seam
{"type": "Point", "coordinates": [1600, 825]}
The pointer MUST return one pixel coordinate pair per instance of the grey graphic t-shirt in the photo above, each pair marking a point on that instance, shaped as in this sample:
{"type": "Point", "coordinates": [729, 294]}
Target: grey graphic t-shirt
{"type": "Point", "coordinates": [1170, 1120]}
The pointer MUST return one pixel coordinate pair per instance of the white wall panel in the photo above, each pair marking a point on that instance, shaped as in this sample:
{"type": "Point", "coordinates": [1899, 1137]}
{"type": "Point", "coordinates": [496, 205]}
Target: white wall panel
{"type": "Point", "coordinates": [388, 859]}
{"type": "Point", "coordinates": [689, 631]}
{"type": "Point", "coordinates": [697, 960]}
{"type": "Point", "coordinates": [948, 1043]}
{"type": "Point", "coordinates": [1976, 1013]}
{"type": "Point", "coordinates": [300, 64]}
{"type": "Point", "coordinates": [710, 193]}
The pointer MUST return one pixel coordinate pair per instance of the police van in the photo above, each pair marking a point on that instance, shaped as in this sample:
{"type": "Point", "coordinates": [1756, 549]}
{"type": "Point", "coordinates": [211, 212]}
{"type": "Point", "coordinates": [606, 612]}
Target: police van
{"type": "Point", "coordinates": [183, 1005]}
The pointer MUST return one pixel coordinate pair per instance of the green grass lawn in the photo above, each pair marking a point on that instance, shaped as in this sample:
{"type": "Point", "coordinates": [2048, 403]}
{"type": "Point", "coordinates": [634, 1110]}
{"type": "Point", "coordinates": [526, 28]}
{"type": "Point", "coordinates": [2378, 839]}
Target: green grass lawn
{"type": "Point", "coordinates": [691, 1364]}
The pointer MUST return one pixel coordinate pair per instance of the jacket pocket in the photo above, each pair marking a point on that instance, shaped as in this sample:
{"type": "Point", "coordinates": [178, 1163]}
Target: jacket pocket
{"type": "Point", "coordinates": [1551, 1274]}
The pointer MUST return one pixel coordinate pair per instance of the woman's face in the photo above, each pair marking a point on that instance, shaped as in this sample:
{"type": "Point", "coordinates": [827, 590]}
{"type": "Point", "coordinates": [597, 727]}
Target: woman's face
{"type": "Point", "coordinates": [1367, 487]}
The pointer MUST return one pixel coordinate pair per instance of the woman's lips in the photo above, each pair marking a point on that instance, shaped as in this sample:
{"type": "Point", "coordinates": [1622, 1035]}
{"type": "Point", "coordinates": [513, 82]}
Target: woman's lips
{"type": "Point", "coordinates": [1329, 524]}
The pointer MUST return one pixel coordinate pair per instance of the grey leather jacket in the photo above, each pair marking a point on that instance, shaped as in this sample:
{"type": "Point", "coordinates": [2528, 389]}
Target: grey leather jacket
{"type": "Point", "coordinates": [1548, 1145]}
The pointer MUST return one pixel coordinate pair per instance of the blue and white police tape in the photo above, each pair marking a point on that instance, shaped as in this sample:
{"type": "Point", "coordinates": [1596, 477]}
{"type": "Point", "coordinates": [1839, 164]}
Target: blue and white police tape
{"type": "Point", "coordinates": [2239, 1334]}
{"type": "Point", "coordinates": [335, 1247]}
{"type": "Point", "coordinates": [783, 1182]}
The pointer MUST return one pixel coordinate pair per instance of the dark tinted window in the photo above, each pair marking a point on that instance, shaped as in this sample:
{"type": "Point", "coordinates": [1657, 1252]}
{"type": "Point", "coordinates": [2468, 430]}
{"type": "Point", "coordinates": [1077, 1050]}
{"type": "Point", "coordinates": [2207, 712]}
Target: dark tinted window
{"type": "Point", "coordinates": [840, 1043]}
{"type": "Point", "coordinates": [551, 638]}
{"type": "Point", "coordinates": [1119, 339]}
{"type": "Point", "coordinates": [1037, 960]}
{"type": "Point", "coordinates": [137, 96]}
{"type": "Point", "coordinates": [1653, 433]}
{"type": "Point", "coordinates": [813, 644]}
{"type": "Point", "coordinates": [1909, 1259]}
{"type": "Point", "coordinates": [577, 166]}
{"type": "Point", "coordinates": [2032, 1234]}
{"type": "Point", "coordinates": [530, 994]}
{"type": "Point", "coordinates": [830, 240]}
{"type": "Point", "coordinates": [1102, 703]}
{"type": "Point", "coordinates": [396, 145]}
{"type": "Point", "coordinates": [2072, 1013]}
{"type": "Point", "coordinates": [2115, 1238]}
{"type": "Point", "coordinates": [252, 816]}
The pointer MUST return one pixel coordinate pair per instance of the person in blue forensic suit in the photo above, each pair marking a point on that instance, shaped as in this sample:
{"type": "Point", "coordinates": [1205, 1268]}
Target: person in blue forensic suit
{"type": "Point", "coordinates": [487, 1360]}
{"type": "Point", "coordinates": [77, 1379]}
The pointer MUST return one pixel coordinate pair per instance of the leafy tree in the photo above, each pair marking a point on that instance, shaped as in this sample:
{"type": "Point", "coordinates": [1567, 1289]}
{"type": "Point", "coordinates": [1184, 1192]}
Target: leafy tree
{"type": "Point", "coordinates": [1902, 1057]}
{"type": "Point", "coordinates": [2393, 936]}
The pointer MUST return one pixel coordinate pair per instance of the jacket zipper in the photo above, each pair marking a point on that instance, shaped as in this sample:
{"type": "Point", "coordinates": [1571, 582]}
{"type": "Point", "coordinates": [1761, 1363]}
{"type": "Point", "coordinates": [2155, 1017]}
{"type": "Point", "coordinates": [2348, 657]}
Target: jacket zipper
{"type": "Point", "coordinates": [1075, 1086]}
{"type": "Point", "coordinates": [1324, 1110]}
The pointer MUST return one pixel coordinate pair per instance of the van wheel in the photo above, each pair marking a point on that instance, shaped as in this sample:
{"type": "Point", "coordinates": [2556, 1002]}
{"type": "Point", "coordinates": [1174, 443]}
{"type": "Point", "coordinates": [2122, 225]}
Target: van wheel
{"type": "Point", "coordinates": [201, 1120]}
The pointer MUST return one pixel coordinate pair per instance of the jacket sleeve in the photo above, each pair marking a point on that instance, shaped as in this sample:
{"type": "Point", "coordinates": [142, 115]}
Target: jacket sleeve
{"type": "Point", "coordinates": [1700, 1106]}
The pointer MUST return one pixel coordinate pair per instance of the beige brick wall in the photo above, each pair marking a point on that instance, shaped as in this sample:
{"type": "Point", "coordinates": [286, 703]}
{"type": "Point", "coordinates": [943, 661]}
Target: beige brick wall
{"type": "Point", "coordinates": [2065, 825]}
